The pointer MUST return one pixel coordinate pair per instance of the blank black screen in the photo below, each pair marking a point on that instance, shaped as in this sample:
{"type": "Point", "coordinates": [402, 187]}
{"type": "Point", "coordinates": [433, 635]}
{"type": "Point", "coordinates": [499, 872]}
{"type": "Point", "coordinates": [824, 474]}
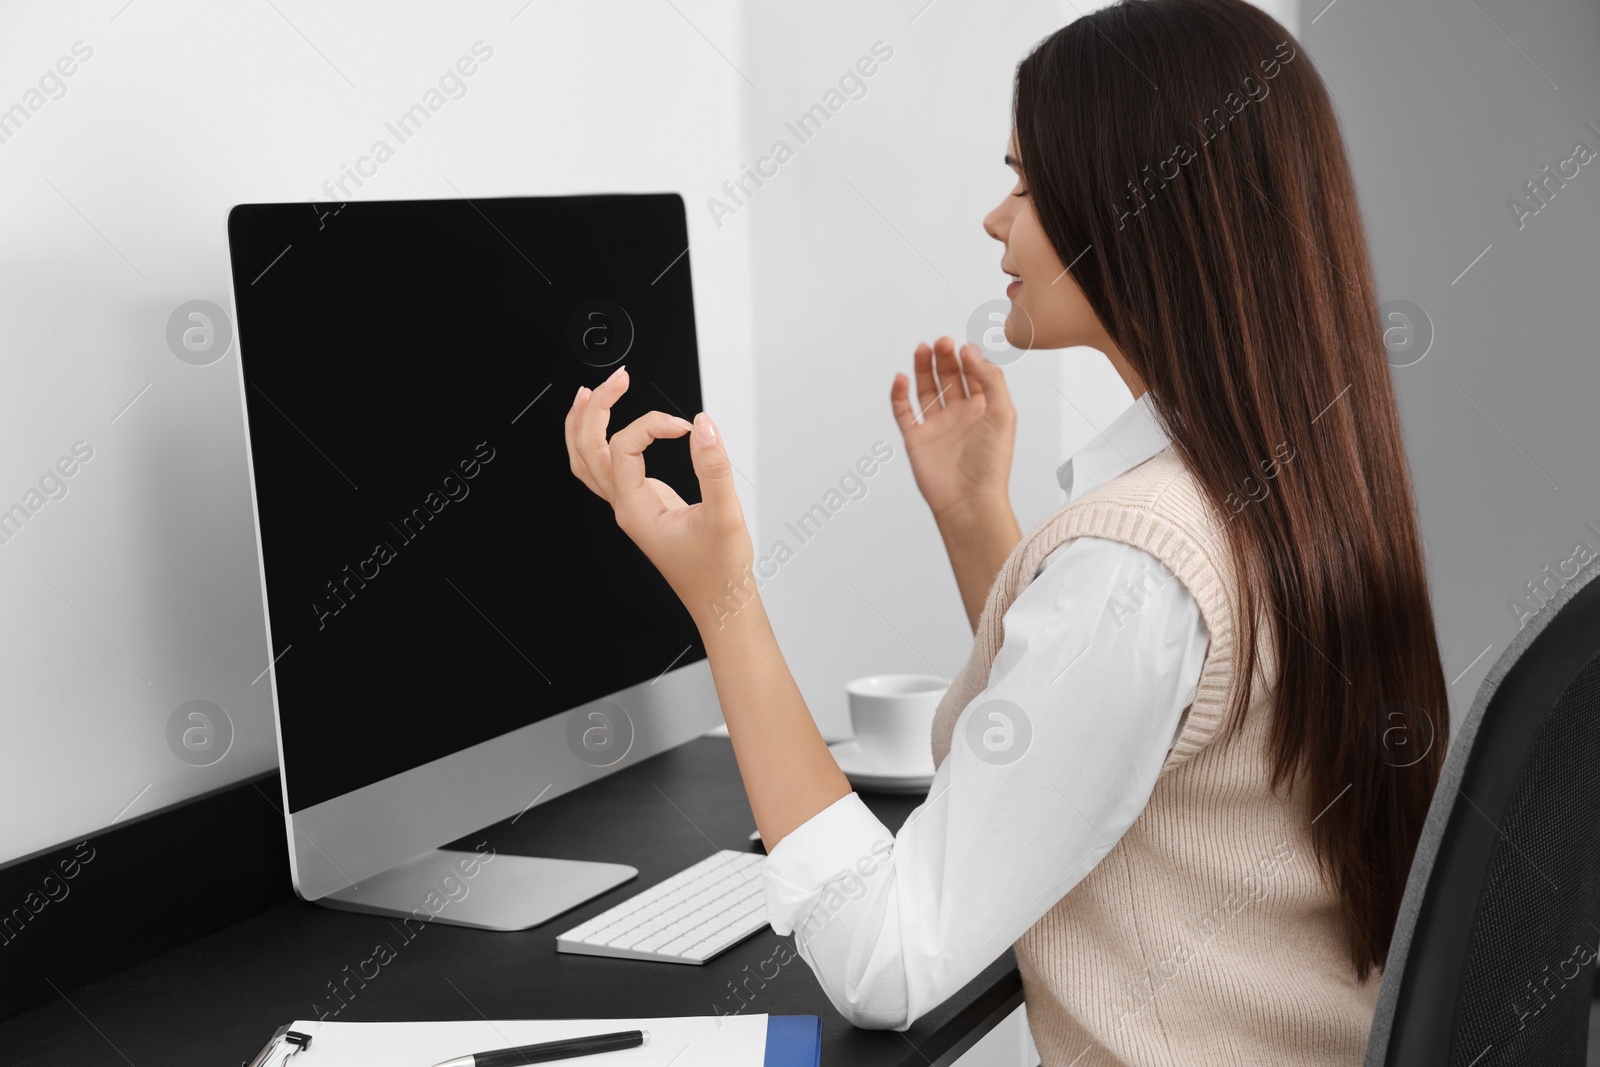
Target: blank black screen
{"type": "Point", "coordinates": [435, 574]}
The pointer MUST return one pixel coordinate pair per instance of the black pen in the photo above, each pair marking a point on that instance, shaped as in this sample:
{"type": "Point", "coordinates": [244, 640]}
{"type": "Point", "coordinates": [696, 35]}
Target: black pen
{"type": "Point", "coordinates": [551, 1050]}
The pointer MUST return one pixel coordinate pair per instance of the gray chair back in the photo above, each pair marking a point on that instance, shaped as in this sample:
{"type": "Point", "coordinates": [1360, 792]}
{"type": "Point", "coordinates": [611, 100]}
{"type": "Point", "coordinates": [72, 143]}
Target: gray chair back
{"type": "Point", "coordinates": [1493, 958]}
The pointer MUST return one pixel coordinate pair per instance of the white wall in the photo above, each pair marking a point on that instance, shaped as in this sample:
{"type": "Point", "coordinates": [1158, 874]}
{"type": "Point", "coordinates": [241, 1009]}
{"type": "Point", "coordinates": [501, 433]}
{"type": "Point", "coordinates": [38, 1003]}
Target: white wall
{"type": "Point", "coordinates": [137, 591]}
{"type": "Point", "coordinates": [869, 241]}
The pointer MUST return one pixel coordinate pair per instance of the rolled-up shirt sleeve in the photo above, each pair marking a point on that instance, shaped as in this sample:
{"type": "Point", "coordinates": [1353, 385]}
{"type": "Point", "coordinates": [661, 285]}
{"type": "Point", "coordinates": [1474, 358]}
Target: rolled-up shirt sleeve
{"type": "Point", "coordinates": [1048, 767]}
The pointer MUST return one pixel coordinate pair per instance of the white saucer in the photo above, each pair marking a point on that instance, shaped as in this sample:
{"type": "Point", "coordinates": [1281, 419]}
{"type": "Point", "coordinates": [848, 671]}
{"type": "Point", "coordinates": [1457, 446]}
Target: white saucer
{"type": "Point", "coordinates": [914, 777]}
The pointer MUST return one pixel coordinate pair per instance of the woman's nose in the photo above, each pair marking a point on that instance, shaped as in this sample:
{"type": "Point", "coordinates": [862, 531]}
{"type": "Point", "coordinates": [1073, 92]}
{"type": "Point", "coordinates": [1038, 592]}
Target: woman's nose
{"type": "Point", "coordinates": [992, 226]}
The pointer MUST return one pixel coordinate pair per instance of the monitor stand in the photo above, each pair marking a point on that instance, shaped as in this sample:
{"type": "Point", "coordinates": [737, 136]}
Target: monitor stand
{"type": "Point", "coordinates": [504, 892]}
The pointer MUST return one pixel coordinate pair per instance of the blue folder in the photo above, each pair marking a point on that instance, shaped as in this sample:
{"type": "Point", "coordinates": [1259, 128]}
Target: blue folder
{"type": "Point", "coordinates": [794, 1041]}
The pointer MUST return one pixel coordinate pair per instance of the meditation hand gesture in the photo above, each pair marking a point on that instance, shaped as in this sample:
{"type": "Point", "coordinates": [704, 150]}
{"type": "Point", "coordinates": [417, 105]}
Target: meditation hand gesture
{"type": "Point", "coordinates": [698, 548]}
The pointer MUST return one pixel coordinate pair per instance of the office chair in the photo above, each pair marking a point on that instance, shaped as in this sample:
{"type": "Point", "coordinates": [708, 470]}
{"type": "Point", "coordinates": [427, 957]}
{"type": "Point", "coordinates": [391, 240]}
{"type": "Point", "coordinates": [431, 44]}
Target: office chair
{"type": "Point", "coordinates": [1493, 957]}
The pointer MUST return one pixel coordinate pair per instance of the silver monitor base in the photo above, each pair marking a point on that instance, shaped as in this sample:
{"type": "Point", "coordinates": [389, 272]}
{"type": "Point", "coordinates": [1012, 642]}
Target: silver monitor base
{"type": "Point", "coordinates": [503, 893]}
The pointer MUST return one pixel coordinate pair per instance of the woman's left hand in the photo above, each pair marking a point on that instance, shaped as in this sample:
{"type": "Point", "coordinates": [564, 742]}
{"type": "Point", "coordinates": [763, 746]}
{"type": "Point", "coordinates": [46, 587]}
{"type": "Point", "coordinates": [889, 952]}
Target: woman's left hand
{"type": "Point", "coordinates": [698, 548]}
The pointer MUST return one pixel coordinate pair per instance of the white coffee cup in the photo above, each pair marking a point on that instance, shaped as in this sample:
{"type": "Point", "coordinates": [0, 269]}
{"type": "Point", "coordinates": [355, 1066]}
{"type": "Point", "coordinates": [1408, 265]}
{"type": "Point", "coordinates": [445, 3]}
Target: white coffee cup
{"type": "Point", "coordinates": [893, 718]}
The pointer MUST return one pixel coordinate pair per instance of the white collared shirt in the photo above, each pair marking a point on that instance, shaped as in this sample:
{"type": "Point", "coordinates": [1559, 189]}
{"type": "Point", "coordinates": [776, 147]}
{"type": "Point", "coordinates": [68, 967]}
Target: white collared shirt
{"type": "Point", "coordinates": [892, 925]}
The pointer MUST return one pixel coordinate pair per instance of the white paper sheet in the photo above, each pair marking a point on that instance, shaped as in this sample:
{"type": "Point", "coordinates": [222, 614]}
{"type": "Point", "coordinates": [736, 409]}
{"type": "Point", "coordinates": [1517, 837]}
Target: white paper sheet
{"type": "Point", "coordinates": [710, 1041]}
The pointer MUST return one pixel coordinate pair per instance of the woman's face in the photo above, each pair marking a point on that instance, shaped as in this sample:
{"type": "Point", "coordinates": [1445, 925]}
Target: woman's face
{"type": "Point", "coordinates": [1048, 310]}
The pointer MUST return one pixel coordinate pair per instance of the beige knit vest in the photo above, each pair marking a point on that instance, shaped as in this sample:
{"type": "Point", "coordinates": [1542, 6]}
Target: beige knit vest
{"type": "Point", "coordinates": [1206, 934]}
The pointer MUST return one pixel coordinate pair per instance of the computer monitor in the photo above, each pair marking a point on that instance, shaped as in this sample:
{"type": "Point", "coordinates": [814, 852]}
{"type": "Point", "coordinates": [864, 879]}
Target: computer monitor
{"type": "Point", "coordinates": [457, 627]}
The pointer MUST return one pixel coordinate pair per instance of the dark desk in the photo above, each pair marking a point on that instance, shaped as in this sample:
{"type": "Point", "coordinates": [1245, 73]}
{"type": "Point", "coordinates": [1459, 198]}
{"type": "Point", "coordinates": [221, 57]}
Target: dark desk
{"type": "Point", "coordinates": [212, 1003]}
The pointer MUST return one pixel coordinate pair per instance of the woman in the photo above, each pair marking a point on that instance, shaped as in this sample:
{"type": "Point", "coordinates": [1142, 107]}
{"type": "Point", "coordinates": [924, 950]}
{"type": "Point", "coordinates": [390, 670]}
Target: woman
{"type": "Point", "coordinates": [1184, 771]}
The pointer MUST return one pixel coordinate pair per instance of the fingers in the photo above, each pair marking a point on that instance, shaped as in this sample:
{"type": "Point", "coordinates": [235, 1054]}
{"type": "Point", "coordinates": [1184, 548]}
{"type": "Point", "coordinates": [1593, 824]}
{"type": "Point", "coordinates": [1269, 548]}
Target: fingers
{"type": "Point", "coordinates": [714, 469]}
{"type": "Point", "coordinates": [986, 380]}
{"type": "Point", "coordinates": [590, 438]}
{"type": "Point", "coordinates": [627, 453]}
{"type": "Point", "coordinates": [944, 375]}
{"type": "Point", "coordinates": [948, 369]}
{"type": "Point", "coordinates": [922, 365]}
{"type": "Point", "coordinates": [900, 401]}
{"type": "Point", "coordinates": [615, 469]}
{"type": "Point", "coordinates": [579, 468]}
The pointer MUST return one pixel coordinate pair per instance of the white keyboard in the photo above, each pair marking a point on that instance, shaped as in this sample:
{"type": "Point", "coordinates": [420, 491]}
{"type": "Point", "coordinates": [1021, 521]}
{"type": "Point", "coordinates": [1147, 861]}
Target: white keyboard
{"type": "Point", "coordinates": [691, 917]}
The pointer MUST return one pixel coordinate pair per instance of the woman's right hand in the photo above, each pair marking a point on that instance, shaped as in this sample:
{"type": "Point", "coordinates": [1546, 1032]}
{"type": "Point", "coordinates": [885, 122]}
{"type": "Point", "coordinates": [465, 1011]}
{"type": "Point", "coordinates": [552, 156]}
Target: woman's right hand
{"type": "Point", "coordinates": [959, 440]}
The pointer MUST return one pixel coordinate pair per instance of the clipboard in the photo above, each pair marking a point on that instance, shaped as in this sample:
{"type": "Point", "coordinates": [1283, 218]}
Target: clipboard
{"type": "Point", "coordinates": [792, 1041]}
{"type": "Point", "coordinates": [275, 1043]}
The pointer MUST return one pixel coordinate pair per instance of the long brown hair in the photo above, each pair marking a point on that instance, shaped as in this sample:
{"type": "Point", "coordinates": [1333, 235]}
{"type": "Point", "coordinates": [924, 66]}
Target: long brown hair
{"type": "Point", "coordinates": [1184, 159]}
